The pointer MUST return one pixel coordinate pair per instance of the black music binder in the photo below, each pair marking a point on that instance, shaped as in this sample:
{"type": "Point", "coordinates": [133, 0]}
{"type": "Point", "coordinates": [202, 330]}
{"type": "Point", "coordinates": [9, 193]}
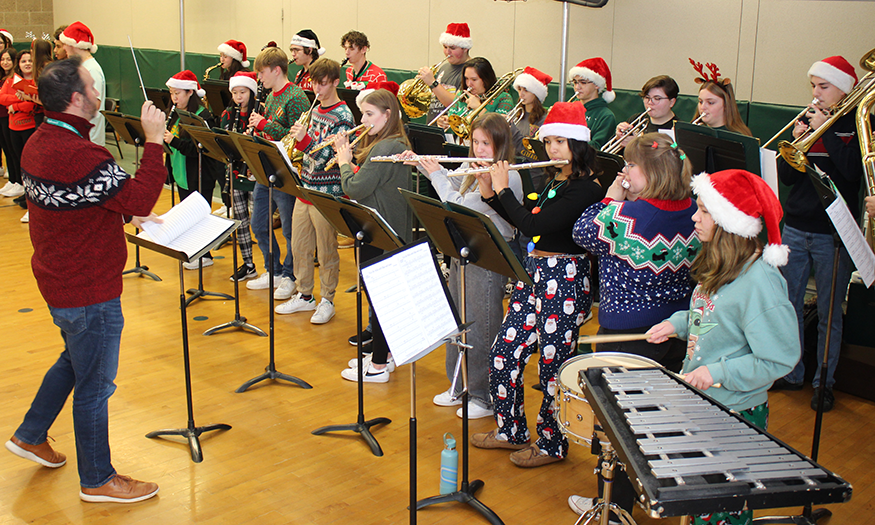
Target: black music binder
{"type": "Point", "coordinates": [712, 150]}
{"type": "Point", "coordinates": [160, 97]}
{"type": "Point", "coordinates": [349, 96]}
{"type": "Point", "coordinates": [218, 96]}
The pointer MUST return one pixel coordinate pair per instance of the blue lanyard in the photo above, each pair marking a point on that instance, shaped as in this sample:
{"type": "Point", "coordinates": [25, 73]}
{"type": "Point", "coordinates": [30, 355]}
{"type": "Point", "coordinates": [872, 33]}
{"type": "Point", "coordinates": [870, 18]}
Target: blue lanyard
{"type": "Point", "coordinates": [60, 124]}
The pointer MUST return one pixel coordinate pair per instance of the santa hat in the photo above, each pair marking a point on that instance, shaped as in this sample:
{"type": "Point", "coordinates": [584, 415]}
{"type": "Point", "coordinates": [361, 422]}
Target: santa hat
{"type": "Point", "coordinates": [596, 71]}
{"type": "Point", "coordinates": [243, 79]}
{"type": "Point", "coordinates": [392, 87]}
{"type": "Point", "coordinates": [837, 71]}
{"type": "Point", "coordinates": [235, 50]}
{"type": "Point", "coordinates": [457, 35]}
{"type": "Point", "coordinates": [736, 199]}
{"type": "Point", "coordinates": [534, 81]}
{"type": "Point", "coordinates": [307, 38]}
{"type": "Point", "coordinates": [8, 35]}
{"type": "Point", "coordinates": [186, 80]}
{"type": "Point", "coordinates": [566, 119]}
{"type": "Point", "coordinates": [79, 36]}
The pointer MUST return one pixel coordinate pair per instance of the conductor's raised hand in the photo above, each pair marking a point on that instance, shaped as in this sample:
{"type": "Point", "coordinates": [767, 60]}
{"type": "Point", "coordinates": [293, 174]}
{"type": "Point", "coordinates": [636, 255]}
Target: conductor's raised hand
{"type": "Point", "coordinates": [660, 333]}
{"type": "Point", "coordinates": [153, 121]}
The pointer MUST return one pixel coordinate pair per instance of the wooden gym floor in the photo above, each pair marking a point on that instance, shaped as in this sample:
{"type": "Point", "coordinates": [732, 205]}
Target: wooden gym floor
{"type": "Point", "coordinates": [269, 468]}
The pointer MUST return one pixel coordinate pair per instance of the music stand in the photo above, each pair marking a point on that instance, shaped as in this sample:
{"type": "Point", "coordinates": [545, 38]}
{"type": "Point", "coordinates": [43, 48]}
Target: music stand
{"type": "Point", "coordinates": [218, 96]}
{"type": "Point", "coordinates": [708, 152]}
{"type": "Point", "coordinates": [434, 320]}
{"type": "Point", "coordinates": [471, 237]}
{"type": "Point", "coordinates": [186, 122]}
{"type": "Point", "coordinates": [366, 227]}
{"type": "Point", "coordinates": [131, 131]}
{"type": "Point", "coordinates": [191, 432]}
{"type": "Point", "coordinates": [159, 97]}
{"type": "Point", "coordinates": [826, 196]}
{"type": "Point", "coordinates": [264, 160]}
{"type": "Point", "coordinates": [349, 96]}
{"type": "Point", "coordinates": [608, 167]}
{"type": "Point", "coordinates": [226, 153]}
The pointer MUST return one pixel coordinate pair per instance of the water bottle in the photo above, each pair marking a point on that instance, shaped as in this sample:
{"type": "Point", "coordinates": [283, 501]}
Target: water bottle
{"type": "Point", "coordinates": [449, 465]}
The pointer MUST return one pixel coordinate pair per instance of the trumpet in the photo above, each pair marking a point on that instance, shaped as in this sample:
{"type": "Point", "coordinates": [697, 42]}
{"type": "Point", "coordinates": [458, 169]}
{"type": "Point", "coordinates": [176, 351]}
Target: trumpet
{"type": "Point", "coordinates": [523, 166]}
{"type": "Point", "coordinates": [453, 103]}
{"type": "Point", "coordinates": [792, 122]}
{"type": "Point", "coordinates": [638, 126]}
{"type": "Point", "coordinates": [330, 142]}
{"type": "Point", "coordinates": [333, 161]}
{"type": "Point", "coordinates": [516, 114]}
{"type": "Point", "coordinates": [415, 96]}
{"type": "Point", "coordinates": [207, 72]}
{"type": "Point", "coordinates": [417, 158]}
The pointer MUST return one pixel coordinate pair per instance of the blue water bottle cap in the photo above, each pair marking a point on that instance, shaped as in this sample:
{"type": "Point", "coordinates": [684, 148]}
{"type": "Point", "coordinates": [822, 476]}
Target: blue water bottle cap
{"type": "Point", "coordinates": [449, 442]}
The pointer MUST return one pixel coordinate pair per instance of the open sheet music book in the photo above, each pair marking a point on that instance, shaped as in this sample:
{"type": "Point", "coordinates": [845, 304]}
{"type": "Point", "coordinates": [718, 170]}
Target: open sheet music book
{"type": "Point", "coordinates": [188, 227]}
{"type": "Point", "coordinates": [409, 297]}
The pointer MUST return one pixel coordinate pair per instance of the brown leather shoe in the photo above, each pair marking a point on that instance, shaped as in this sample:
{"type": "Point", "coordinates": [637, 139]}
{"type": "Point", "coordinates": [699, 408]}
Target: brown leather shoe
{"type": "Point", "coordinates": [490, 440]}
{"type": "Point", "coordinates": [532, 457]}
{"type": "Point", "coordinates": [120, 489]}
{"type": "Point", "coordinates": [43, 453]}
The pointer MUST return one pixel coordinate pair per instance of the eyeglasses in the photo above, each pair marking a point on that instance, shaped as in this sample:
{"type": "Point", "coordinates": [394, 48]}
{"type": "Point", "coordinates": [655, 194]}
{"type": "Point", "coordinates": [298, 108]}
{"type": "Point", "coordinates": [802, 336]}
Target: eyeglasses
{"type": "Point", "coordinates": [628, 166]}
{"type": "Point", "coordinates": [581, 82]}
{"type": "Point", "coordinates": [654, 100]}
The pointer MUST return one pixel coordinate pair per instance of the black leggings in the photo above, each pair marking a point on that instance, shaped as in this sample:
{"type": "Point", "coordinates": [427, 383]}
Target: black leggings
{"type": "Point", "coordinates": [5, 144]}
{"type": "Point", "coordinates": [18, 139]}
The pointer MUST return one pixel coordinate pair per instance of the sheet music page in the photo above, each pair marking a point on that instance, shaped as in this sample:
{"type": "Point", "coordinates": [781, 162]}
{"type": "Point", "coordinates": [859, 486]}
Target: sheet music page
{"type": "Point", "coordinates": [409, 300]}
{"type": "Point", "coordinates": [178, 219]}
{"type": "Point", "coordinates": [853, 240]}
{"type": "Point", "coordinates": [669, 132]}
{"type": "Point", "coordinates": [282, 149]}
{"type": "Point", "coordinates": [769, 168]}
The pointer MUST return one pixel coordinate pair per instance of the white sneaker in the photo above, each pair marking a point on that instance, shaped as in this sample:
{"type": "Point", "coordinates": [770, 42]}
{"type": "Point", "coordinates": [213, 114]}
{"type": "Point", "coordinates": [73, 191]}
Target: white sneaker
{"type": "Point", "coordinates": [26, 217]}
{"type": "Point", "coordinates": [285, 289]}
{"type": "Point", "coordinates": [6, 188]}
{"type": "Point", "coordinates": [580, 505]}
{"type": "Point", "coordinates": [221, 212]}
{"type": "Point", "coordinates": [193, 265]}
{"type": "Point", "coordinates": [262, 282]}
{"type": "Point", "coordinates": [445, 399]}
{"type": "Point", "coordinates": [366, 361]}
{"type": "Point", "coordinates": [475, 411]}
{"type": "Point", "coordinates": [372, 375]}
{"type": "Point", "coordinates": [17, 190]}
{"type": "Point", "coordinates": [324, 312]}
{"type": "Point", "coordinates": [296, 304]}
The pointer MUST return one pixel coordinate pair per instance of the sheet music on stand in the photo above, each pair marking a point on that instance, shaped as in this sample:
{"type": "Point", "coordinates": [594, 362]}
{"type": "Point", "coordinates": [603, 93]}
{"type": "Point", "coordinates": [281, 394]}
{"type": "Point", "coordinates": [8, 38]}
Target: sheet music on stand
{"type": "Point", "coordinates": [410, 298]}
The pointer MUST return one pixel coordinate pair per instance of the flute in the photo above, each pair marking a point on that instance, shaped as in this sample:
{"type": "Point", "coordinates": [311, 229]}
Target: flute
{"type": "Point", "coordinates": [417, 158]}
{"type": "Point", "coordinates": [333, 161]}
{"type": "Point", "coordinates": [348, 132]}
{"type": "Point", "coordinates": [523, 166]}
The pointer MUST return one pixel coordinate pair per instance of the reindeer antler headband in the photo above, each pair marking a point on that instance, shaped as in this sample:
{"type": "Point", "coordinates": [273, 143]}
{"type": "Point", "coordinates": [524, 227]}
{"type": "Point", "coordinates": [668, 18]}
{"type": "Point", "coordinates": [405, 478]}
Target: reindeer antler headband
{"type": "Point", "coordinates": [715, 73]}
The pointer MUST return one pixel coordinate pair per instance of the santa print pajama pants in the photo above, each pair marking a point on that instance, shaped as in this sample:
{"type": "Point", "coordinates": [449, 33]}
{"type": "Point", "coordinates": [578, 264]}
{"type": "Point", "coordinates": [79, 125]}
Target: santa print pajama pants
{"type": "Point", "coordinates": [547, 316]}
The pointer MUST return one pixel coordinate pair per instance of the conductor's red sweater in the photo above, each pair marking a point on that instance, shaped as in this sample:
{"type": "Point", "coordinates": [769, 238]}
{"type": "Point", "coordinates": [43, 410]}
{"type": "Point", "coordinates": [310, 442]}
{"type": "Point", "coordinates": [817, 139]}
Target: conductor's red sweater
{"type": "Point", "coordinates": [78, 198]}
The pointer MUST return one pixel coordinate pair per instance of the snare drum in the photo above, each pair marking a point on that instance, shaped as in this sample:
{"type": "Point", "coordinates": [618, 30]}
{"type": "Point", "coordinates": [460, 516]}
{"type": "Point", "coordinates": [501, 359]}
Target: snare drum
{"type": "Point", "coordinates": [576, 420]}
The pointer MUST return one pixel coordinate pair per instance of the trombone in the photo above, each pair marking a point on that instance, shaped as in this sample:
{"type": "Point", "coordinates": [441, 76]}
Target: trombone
{"type": "Point", "coordinates": [415, 96]}
{"type": "Point", "coordinates": [638, 126]}
{"type": "Point", "coordinates": [461, 124]}
{"type": "Point", "coordinates": [459, 97]}
{"type": "Point", "coordinates": [791, 123]}
{"type": "Point", "coordinates": [794, 153]}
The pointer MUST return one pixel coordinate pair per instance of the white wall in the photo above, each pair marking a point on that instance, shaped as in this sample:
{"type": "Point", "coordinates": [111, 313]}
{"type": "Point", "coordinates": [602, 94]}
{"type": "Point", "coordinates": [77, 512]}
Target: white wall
{"type": "Point", "coordinates": [764, 46]}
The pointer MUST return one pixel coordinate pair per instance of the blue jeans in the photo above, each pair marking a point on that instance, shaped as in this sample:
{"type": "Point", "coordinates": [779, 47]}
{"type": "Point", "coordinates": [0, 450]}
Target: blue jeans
{"type": "Point", "coordinates": [263, 231]}
{"type": "Point", "coordinates": [88, 366]}
{"type": "Point", "coordinates": [817, 249]}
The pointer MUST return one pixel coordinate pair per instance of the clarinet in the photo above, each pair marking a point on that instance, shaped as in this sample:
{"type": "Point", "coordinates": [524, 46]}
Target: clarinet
{"type": "Point", "coordinates": [260, 97]}
{"type": "Point", "coordinates": [168, 124]}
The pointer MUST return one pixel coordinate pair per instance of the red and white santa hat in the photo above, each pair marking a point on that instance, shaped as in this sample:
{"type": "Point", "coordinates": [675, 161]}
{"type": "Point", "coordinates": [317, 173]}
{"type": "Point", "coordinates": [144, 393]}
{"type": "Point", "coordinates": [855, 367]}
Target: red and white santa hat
{"type": "Point", "coordinates": [186, 80]}
{"type": "Point", "coordinates": [8, 35]}
{"type": "Point", "coordinates": [243, 79]}
{"type": "Point", "coordinates": [596, 71]}
{"type": "Point", "coordinates": [567, 120]}
{"type": "Point", "coordinates": [457, 35]}
{"type": "Point", "coordinates": [837, 71]}
{"type": "Point", "coordinates": [390, 86]}
{"type": "Point", "coordinates": [736, 199]}
{"type": "Point", "coordinates": [534, 81]}
{"type": "Point", "coordinates": [79, 36]}
{"type": "Point", "coordinates": [235, 50]}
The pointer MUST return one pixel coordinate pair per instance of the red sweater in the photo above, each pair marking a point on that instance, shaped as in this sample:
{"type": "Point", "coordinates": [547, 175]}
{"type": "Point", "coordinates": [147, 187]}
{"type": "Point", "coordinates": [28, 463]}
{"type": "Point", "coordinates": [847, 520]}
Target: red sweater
{"type": "Point", "coordinates": [20, 111]}
{"type": "Point", "coordinates": [78, 198]}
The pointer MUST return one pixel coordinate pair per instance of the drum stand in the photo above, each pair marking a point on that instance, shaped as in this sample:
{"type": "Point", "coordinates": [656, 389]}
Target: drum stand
{"type": "Point", "coordinates": [600, 512]}
{"type": "Point", "coordinates": [270, 371]}
{"type": "Point", "coordinates": [467, 490]}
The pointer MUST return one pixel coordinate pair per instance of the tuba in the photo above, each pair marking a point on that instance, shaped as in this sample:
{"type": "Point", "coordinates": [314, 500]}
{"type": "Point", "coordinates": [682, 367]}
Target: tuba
{"type": "Point", "coordinates": [867, 148]}
{"type": "Point", "coordinates": [415, 96]}
{"type": "Point", "coordinates": [794, 152]}
{"type": "Point", "coordinates": [461, 124]}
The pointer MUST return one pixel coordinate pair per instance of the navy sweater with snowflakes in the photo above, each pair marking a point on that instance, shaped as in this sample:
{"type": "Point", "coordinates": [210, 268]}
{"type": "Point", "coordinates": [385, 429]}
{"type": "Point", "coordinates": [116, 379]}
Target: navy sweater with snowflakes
{"type": "Point", "coordinates": [645, 249]}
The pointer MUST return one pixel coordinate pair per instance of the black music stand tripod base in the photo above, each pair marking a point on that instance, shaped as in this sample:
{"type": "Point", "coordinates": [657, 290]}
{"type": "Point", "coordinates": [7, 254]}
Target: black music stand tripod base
{"type": "Point", "coordinates": [192, 434]}
{"type": "Point", "coordinates": [362, 427]}
{"type": "Point", "coordinates": [270, 372]}
{"type": "Point", "coordinates": [141, 270]}
{"type": "Point", "coordinates": [237, 323]}
{"type": "Point", "coordinates": [465, 494]}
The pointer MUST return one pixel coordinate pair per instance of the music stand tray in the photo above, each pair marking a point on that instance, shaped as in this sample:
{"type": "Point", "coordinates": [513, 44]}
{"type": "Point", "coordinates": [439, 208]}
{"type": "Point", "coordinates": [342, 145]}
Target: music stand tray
{"type": "Point", "coordinates": [218, 95]}
{"type": "Point", "coordinates": [160, 97]}
{"type": "Point", "coordinates": [712, 150]}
